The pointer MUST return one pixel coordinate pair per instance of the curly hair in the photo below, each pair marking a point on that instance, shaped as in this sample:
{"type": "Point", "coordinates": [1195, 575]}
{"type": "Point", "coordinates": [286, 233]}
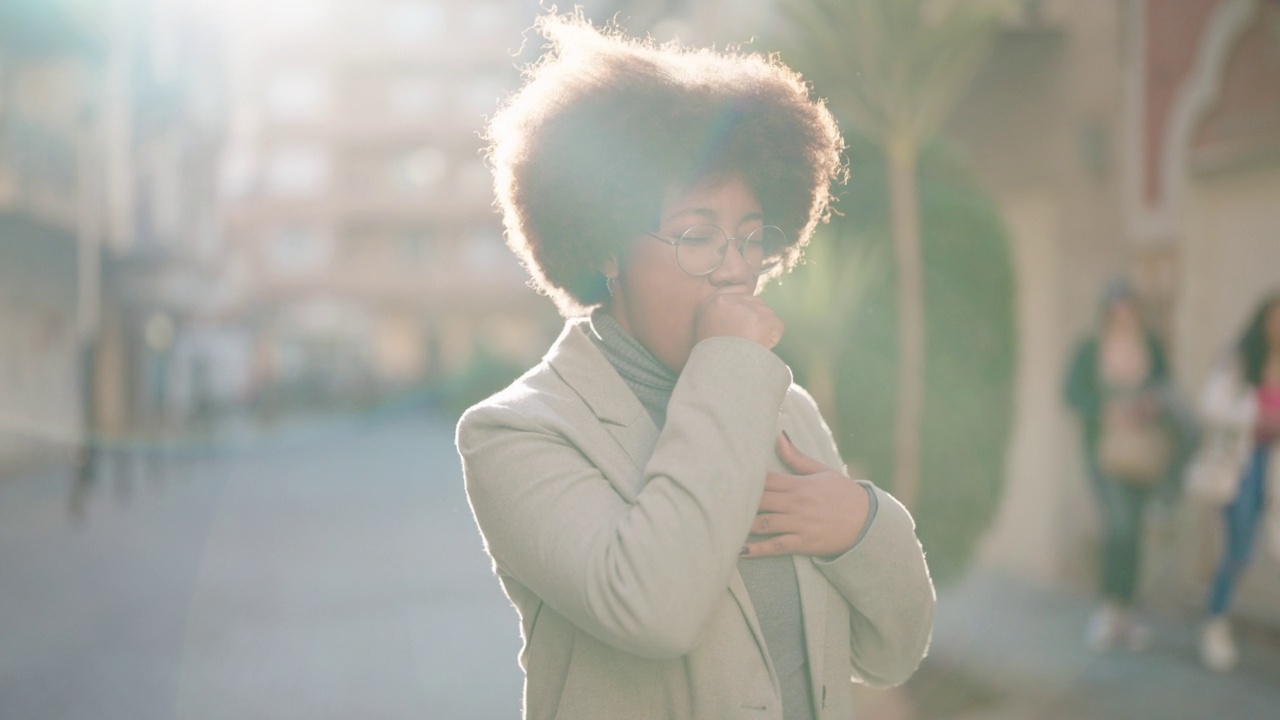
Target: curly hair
{"type": "Point", "coordinates": [1252, 346]}
{"type": "Point", "coordinates": [604, 124]}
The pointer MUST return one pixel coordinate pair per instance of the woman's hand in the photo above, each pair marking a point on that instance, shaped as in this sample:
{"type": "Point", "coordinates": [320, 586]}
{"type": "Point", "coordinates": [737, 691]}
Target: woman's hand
{"type": "Point", "coordinates": [817, 511]}
{"type": "Point", "coordinates": [735, 312]}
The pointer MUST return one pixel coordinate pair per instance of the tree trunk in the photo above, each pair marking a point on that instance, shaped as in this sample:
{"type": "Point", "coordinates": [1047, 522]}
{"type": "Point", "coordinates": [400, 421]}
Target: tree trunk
{"type": "Point", "coordinates": [904, 202]}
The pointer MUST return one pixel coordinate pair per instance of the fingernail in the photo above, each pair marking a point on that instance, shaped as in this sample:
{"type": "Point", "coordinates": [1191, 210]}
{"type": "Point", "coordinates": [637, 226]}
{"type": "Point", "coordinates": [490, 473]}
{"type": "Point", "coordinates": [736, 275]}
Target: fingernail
{"type": "Point", "coordinates": [743, 551]}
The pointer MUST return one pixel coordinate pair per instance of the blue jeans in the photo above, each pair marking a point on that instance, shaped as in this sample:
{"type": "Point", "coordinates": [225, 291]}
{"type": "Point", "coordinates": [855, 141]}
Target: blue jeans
{"type": "Point", "coordinates": [1122, 505]}
{"type": "Point", "coordinates": [1243, 516]}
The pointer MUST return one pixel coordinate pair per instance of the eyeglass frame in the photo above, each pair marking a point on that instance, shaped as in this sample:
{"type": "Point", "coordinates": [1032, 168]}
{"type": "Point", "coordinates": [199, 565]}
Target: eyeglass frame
{"type": "Point", "coordinates": [741, 243]}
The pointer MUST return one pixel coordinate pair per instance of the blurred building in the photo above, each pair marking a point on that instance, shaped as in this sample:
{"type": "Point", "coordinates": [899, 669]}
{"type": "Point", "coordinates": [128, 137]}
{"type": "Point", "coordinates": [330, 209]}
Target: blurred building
{"type": "Point", "coordinates": [47, 55]}
{"type": "Point", "coordinates": [360, 207]}
{"type": "Point", "coordinates": [170, 346]}
{"type": "Point", "coordinates": [1138, 139]}
{"type": "Point", "coordinates": [114, 283]}
{"type": "Point", "coordinates": [699, 23]}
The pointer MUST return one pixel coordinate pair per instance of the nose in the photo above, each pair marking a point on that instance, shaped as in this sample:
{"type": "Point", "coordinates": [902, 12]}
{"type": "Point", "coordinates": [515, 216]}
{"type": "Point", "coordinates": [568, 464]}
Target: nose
{"type": "Point", "coordinates": [734, 269]}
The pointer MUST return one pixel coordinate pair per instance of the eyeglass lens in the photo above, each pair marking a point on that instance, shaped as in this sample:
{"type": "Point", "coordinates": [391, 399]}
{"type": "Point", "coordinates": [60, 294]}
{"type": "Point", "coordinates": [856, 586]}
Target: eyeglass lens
{"type": "Point", "coordinates": [702, 248]}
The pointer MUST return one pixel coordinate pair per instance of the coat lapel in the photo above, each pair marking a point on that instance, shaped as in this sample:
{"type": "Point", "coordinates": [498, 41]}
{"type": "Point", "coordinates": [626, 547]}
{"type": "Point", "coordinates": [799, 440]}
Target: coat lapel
{"type": "Point", "coordinates": [578, 362]}
{"type": "Point", "coordinates": [813, 593]}
{"type": "Point", "coordinates": [738, 589]}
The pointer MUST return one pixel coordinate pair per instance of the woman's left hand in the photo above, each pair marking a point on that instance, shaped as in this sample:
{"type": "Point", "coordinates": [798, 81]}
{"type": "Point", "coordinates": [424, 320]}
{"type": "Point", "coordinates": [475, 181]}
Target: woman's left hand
{"type": "Point", "coordinates": [817, 510]}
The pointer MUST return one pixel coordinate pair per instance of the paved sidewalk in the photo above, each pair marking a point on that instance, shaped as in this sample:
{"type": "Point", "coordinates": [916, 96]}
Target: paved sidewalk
{"type": "Point", "coordinates": [338, 574]}
{"type": "Point", "coordinates": [331, 573]}
{"type": "Point", "coordinates": [1004, 649]}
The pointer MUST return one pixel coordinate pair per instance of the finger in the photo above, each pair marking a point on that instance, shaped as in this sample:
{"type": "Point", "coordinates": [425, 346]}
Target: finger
{"type": "Point", "coordinates": [773, 524]}
{"type": "Point", "coordinates": [780, 482]}
{"type": "Point", "coordinates": [775, 502]}
{"type": "Point", "coordinates": [777, 545]}
{"type": "Point", "coordinates": [774, 338]}
{"type": "Point", "coordinates": [799, 462]}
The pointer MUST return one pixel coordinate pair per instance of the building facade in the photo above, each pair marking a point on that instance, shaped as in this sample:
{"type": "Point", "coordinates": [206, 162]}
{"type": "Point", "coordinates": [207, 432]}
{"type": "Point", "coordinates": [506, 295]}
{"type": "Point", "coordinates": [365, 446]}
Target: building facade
{"type": "Point", "coordinates": [359, 204]}
{"type": "Point", "coordinates": [47, 159]}
{"type": "Point", "coordinates": [111, 266]}
{"type": "Point", "coordinates": [1134, 140]}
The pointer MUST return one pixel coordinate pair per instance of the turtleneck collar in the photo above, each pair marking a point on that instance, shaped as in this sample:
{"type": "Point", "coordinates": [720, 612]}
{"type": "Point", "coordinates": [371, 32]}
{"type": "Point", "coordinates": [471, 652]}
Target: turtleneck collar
{"type": "Point", "coordinates": [650, 380]}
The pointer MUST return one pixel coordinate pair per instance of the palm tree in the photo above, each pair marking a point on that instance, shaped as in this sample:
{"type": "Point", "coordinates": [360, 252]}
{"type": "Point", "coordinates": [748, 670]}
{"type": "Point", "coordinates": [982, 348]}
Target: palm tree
{"type": "Point", "coordinates": [894, 69]}
{"type": "Point", "coordinates": [819, 301]}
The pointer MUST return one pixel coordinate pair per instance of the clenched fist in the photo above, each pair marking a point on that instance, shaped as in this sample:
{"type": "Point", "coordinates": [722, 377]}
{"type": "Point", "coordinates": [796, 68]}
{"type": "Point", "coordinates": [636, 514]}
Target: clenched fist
{"type": "Point", "coordinates": [735, 312]}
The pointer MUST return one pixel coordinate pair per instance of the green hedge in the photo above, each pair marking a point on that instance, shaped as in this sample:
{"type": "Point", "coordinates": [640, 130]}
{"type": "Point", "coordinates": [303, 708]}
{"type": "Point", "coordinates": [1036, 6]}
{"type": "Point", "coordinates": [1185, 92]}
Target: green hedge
{"type": "Point", "coordinates": [970, 339]}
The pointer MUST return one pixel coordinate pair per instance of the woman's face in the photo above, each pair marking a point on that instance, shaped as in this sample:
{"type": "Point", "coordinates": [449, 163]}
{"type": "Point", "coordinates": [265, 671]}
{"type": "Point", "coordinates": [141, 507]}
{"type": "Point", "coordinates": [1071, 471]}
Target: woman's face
{"type": "Point", "coordinates": [654, 300]}
{"type": "Point", "coordinates": [1122, 316]}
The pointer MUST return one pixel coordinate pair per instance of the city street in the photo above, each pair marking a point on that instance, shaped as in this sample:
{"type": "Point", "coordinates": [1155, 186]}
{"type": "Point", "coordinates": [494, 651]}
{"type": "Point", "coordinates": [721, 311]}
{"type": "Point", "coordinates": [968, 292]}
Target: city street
{"type": "Point", "coordinates": [335, 572]}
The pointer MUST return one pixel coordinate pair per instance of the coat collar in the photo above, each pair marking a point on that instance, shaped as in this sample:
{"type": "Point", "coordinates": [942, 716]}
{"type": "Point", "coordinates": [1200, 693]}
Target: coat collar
{"type": "Point", "coordinates": [577, 360]}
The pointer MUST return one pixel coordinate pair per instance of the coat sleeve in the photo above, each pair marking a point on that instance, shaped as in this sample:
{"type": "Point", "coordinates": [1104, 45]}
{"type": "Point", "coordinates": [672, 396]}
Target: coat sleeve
{"type": "Point", "coordinates": [885, 582]}
{"type": "Point", "coordinates": [643, 576]}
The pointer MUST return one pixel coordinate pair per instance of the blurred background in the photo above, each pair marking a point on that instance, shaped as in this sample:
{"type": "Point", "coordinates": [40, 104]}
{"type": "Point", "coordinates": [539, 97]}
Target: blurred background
{"type": "Point", "coordinates": [250, 273]}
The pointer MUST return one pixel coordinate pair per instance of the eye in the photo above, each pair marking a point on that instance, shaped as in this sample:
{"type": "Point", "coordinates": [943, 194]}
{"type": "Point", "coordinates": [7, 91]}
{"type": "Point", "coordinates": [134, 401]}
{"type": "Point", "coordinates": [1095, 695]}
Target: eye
{"type": "Point", "coordinates": [701, 235]}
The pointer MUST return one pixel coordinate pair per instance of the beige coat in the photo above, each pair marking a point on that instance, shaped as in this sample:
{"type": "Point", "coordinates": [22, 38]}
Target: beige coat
{"type": "Point", "coordinates": [618, 545]}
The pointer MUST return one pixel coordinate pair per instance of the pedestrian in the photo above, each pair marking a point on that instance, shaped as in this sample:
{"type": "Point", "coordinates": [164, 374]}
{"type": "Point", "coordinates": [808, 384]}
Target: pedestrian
{"type": "Point", "coordinates": [1241, 408]}
{"type": "Point", "coordinates": [1118, 385]}
{"type": "Point", "coordinates": [88, 453]}
{"type": "Point", "coordinates": [666, 511]}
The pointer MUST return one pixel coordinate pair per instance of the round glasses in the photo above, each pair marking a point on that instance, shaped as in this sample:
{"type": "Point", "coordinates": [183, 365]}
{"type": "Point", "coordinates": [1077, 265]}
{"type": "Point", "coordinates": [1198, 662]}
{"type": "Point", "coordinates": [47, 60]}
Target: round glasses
{"type": "Point", "coordinates": [701, 249]}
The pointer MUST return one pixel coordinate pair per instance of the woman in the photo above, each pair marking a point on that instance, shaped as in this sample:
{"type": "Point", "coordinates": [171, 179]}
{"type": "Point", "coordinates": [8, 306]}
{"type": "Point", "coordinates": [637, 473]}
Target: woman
{"type": "Point", "coordinates": [1118, 386]}
{"type": "Point", "coordinates": [662, 505]}
{"type": "Point", "coordinates": [1242, 398]}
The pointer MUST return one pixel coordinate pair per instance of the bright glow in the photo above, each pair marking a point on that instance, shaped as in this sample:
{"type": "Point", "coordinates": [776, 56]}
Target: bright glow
{"type": "Point", "coordinates": [412, 21]}
{"type": "Point", "coordinates": [253, 18]}
{"type": "Point", "coordinates": [298, 94]}
{"type": "Point", "coordinates": [414, 97]}
{"type": "Point", "coordinates": [298, 170]}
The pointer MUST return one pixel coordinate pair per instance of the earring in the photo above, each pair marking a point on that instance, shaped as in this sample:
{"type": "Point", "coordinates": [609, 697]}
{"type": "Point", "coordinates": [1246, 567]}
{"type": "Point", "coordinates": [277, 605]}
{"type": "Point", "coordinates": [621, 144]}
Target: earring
{"type": "Point", "coordinates": [609, 282]}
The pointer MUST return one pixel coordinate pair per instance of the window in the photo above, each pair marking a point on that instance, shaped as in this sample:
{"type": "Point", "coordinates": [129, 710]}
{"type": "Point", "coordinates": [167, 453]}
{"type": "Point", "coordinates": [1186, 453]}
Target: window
{"type": "Point", "coordinates": [416, 246]}
{"type": "Point", "coordinates": [292, 17]}
{"type": "Point", "coordinates": [298, 250]}
{"type": "Point", "coordinates": [236, 171]}
{"type": "Point", "coordinates": [487, 17]}
{"type": "Point", "coordinates": [298, 171]}
{"type": "Point", "coordinates": [419, 170]}
{"type": "Point", "coordinates": [412, 21]}
{"type": "Point", "coordinates": [298, 94]}
{"type": "Point", "coordinates": [413, 97]}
